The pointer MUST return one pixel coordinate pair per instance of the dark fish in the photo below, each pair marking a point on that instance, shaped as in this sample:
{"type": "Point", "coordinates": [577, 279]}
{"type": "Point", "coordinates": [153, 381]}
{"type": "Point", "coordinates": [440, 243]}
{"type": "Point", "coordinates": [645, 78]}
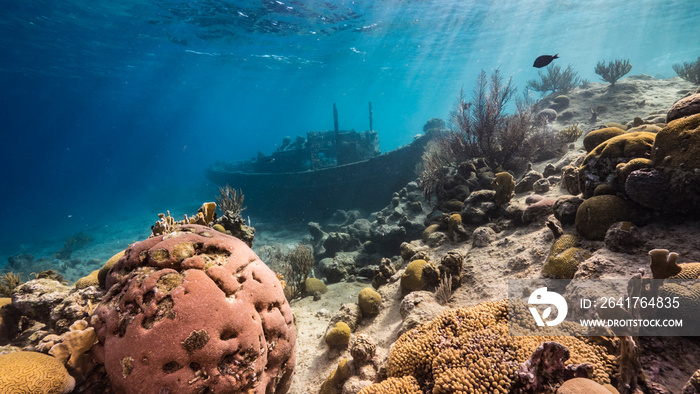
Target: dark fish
{"type": "Point", "coordinates": [269, 159]}
{"type": "Point", "coordinates": [544, 60]}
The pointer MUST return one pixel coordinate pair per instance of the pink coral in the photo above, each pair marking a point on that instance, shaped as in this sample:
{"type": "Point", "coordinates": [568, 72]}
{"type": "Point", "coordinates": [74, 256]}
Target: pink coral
{"type": "Point", "coordinates": [195, 311]}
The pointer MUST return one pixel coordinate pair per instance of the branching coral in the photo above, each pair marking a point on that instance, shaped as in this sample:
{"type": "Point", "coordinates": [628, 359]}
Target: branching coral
{"type": "Point", "coordinates": [689, 71]}
{"type": "Point", "coordinates": [8, 282]}
{"type": "Point", "coordinates": [613, 70]}
{"type": "Point", "coordinates": [294, 266]}
{"type": "Point", "coordinates": [555, 80]}
{"type": "Point", "coordinates": [481, 127]}
{"type": "Point", "coordinates": [230, 200]}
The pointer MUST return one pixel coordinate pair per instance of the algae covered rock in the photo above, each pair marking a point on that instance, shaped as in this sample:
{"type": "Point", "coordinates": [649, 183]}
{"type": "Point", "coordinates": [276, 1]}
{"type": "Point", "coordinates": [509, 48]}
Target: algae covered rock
{"type": "Point", "coordinates": [595, 215]}
{"type": "Point", "coordinates": [686, 106]}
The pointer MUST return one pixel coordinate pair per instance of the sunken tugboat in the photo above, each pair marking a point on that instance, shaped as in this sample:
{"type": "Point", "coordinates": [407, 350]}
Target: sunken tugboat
{"type": "Point", "coordinates": [310, 178]}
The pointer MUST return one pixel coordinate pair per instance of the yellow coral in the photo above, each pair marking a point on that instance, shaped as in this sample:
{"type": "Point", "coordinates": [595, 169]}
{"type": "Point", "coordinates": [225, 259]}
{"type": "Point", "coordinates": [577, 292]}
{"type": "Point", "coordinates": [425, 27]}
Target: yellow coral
{"type": "Point", "coordinates": [412, 278]}
{"type": "Point", "coordinates": [564, 258]}
{"type": "Point", "coordinates": [89, 280]}
{"type": "Point", "coordinates": [678, 143]}
{"type": "Point", "coordinates": [597, 137]}
{"type": "Point", "coordinates": [453, 223]}
{"type": "Point", "coordinates": [338, 336]}
{"type": "Point", "coordinates": [469, 350]}
{"type": "Point", "coordinates": [333, 384]}
{"type": "Point", "coordinates": [370, 301]}
{"type": "Point", "coordinates": [102, 274]}
{"type": "Point", "coordinates": [402, 385]}
{"type": "Point", "coordinates": [33, 372]}
{"type": "Point", "coordinates": [313, 285]}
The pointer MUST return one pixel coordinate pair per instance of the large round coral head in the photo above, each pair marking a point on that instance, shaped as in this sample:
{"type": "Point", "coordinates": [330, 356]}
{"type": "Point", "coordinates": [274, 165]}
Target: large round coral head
{"type": "Point", "coordinates": [195, 311]}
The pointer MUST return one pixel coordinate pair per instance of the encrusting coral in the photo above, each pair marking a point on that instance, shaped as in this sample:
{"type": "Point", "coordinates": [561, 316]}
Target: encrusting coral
{"type": "Point", "coordinates": [33, 372]}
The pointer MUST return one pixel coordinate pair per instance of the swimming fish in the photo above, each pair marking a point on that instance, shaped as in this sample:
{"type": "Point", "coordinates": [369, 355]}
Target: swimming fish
{"type": "Point", "coordinates": [544, 60]}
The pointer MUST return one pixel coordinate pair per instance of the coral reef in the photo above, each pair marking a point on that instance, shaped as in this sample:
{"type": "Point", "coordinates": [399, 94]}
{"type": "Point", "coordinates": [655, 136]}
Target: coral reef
{"type": "Point", "coordinates": [470, 349]}
{"type": "Point", "coordinates": [194, 306]}
{"type": "Point", "coordinates": [613, 70]}
{"type": "Point", "coordinates": [32, 372]}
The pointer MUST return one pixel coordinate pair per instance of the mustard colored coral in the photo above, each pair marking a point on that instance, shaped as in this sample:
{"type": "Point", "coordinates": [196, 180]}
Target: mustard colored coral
{"type": "Point", "coordinates": [564, 258]}
{"type": "Point", "coordinates": [402, 385]}
{"type": "Point", "coordinates": [338, 336]}
{"type": "Point", "coordinates": [370, 301]}
{"type": "Point", "coordinates": [469, 350]}
{"type": "Point", "coordinates": [597, 137]}
{"type": "Point", "coordinates": [412, 278]}
{"type": "Point", "coordinates": [90, 280]}
{"type": "Point", "coordinates": [33, 372]}
{"type": "Point", "coordinates": [678, 143]}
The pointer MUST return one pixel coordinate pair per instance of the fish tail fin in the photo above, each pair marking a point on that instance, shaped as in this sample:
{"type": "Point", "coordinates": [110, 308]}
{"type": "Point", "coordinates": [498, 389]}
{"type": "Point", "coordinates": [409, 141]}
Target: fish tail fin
{"type": "Point", "coordinates": [556, 56]}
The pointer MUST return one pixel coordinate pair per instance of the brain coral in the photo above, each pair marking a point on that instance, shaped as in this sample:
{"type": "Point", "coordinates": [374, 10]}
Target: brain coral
{"type": "Point", "coordinates": [412, 278]}
{"type": "Point", "coordinates": [33, 372]}
{"type": "Point", "coordinates": [597, 137]}
{"type": "Point", "coordinates": [469, 350]}
{"type": "Point", "coordinates": [678, 144]}
{"type": "Point", "coordinates": [595, 216]}
{"type": "Point", "coordinates": [194, 311]}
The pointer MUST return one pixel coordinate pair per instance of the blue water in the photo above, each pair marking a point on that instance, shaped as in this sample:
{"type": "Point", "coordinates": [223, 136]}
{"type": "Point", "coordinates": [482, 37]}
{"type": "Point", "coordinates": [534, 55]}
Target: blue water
{"type": "Point", "coordinates": [112, 112]}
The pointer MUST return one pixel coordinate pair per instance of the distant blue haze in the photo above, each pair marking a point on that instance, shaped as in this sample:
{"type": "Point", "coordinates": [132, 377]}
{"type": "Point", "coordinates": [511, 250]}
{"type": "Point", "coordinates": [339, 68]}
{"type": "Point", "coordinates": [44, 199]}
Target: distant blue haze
{"type": "Point", "coordinates": [114, 111]}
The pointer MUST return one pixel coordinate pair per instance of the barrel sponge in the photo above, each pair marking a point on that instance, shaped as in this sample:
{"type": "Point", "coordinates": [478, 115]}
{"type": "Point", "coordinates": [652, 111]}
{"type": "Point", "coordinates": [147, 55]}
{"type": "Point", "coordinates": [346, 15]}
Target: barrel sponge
{"type": "Point", "coordinates": [470, 350]}
{"type": "Point", "coordinates": [678, 144]}
{"type": "Point", "coordinates": [33, 372]}
{"type": "Point", "coordinates": [370, 301]}
{"type": "Point", "coordinates": [194, 311]}
{"type": "Point", "coordinates": [596, 137]}
{"type": "Point", "coordinates": [412, 278]}
{"type": "Point", "coordinates": [595, 215]}
{"type": "Point", "coordinates": [402, 385]}
{"type": "Point", "coordinates": [89, 280]}
{"type": "Point", "coordinates": [338, 336]}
